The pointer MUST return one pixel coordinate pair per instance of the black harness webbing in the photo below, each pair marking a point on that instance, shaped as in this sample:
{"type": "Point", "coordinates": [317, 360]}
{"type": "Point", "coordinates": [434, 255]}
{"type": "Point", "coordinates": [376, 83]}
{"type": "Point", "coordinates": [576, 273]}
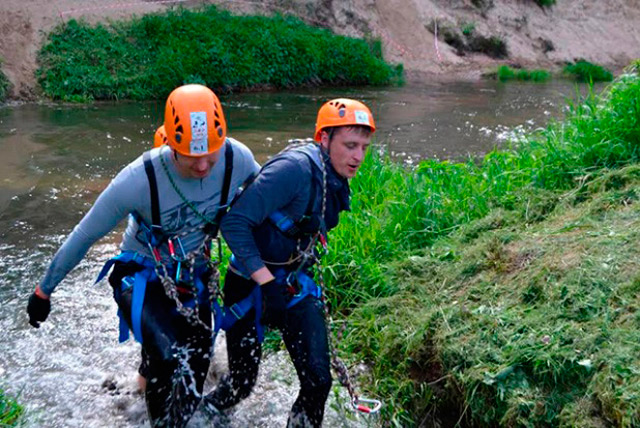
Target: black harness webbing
{"type": "Point", "coordinates": [210, 228]}
{"type": "Point", "coordinates": [226, 183]}
{"type": "Point", "coordinates": [153, 188]}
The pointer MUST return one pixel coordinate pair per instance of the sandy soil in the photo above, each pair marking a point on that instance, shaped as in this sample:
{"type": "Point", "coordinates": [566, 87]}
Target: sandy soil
{"type": "Point", "coordinates": [603, 32]}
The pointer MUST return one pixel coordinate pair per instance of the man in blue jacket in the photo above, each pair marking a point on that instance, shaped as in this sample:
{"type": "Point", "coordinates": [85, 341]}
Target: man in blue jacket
{"type": "Point", "coordinates": [272, 230]}
{"type": "Point", "coordinates": [174, 196]}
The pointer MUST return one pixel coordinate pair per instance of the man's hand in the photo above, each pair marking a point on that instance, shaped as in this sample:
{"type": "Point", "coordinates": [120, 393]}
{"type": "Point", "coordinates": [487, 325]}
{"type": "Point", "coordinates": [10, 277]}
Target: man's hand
{"type": "Point", "coordinates": [274, 305]}
{"type": "Point", "coordinates": [38, 308]}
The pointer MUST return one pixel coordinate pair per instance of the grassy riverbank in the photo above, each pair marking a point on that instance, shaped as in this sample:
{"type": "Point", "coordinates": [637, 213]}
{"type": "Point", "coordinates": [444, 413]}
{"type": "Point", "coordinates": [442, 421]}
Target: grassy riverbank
{"type": "Point", "coordinates": [502, 291]}
{"type": "Point", "coordinates": [147, 57]}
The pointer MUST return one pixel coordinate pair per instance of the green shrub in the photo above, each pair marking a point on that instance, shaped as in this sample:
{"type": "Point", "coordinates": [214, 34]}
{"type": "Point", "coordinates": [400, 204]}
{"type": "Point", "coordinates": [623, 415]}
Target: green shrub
{"type": "Point", "coordinates": [506, 73]}
{"type": "Point", "coordinates": [149, 56]}
{"type": "Point", "coordinates": [10, 410]}
{"type": "Point", "coordinates": [468, 28]}
{"type": "Point", "coordinates": [4, 84]}
{"type": "Point", "coordinates": [587, 72]}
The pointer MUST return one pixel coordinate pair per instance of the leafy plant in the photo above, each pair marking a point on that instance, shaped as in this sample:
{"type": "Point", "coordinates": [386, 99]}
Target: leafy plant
{"type": "Point", "coordinates": [585, 71]}
{"type": "Point", "coordinates": [468, 28]}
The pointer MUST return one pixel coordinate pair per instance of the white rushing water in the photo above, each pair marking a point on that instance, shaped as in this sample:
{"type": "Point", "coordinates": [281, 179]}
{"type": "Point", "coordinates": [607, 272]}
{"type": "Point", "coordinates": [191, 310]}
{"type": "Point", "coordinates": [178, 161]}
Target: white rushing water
{"type": "Point", "coordinates": [72, 372]}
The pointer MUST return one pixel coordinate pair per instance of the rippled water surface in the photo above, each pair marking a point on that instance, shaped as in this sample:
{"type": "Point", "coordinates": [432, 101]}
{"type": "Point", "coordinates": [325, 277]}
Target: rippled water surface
{"type": "Point", "coordinates": [55, 161]}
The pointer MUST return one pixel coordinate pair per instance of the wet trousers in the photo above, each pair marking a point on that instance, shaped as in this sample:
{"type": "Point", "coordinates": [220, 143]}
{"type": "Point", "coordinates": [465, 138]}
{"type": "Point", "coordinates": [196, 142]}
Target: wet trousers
{"type": "Point", "coordinates": [175, 352]}
{"type": "Point", "coordinates": [305, 337]}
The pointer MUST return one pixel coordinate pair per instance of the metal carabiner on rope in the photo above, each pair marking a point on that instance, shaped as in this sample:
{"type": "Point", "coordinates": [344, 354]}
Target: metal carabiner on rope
{"type": "Point", "coordinates": [155, 253]}
{"type": "Point", "coordinates": [362, 405]}
{"type": "Point", "coordinates": [179, 259]}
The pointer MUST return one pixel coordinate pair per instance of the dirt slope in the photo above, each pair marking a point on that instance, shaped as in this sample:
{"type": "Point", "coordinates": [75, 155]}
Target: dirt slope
{"type": "Point", "coordinates": [602, 32]}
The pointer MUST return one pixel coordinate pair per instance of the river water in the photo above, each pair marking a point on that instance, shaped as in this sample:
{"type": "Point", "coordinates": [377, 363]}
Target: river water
{"type": "Point", "coordinates": [55, 160]}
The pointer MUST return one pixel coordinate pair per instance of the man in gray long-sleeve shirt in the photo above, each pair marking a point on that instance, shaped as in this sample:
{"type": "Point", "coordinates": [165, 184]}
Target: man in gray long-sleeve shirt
{"type": "Point", "coordinates": [174, 195]}
{"type": "Point", "coordinates": [272, 230]}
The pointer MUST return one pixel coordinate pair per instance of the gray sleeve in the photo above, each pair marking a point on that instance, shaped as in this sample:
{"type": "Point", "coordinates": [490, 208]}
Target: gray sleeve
{"type": "Point", "coordinates": [277, 185]}
{"type": "Point", "coordinates": [114, 203]}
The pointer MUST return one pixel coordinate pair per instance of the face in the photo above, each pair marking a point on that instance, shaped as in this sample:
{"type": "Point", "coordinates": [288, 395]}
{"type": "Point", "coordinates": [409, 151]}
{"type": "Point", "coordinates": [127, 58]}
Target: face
{"type": "Point", "coordinates": [346, 150]}
{"type": "Point", "coordinates": [195, 166]}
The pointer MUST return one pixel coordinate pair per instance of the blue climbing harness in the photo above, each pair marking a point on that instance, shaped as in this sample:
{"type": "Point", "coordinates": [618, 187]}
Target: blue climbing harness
{"type": "Point", "coordinates": [154, 237]}
{"type": "Point", "coordinates": [139, 282]}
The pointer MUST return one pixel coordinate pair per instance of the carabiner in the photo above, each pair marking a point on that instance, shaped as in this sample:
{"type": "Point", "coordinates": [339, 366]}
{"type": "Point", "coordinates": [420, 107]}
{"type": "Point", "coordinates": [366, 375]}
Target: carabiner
{"type": "Point", "coordinates": [155, 253]}
{"type": "Point", "coordinates": [292, 284]}
{"type": "Point", "coordinates": [172, 250]}
{"type": "Point", "coordinates": [359, 405]}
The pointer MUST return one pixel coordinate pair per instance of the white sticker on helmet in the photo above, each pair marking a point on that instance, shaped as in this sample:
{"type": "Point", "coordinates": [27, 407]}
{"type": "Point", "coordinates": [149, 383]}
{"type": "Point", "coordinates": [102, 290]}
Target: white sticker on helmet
{"type": "Point", "coordinates": [362, 117]}
{"type": "Point", "coordinates": [199, 142]}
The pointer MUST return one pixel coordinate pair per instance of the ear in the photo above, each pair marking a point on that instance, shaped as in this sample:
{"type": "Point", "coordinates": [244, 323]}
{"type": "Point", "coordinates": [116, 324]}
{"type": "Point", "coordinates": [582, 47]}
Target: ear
{"type": "Point", "coordinates": [324, 139]}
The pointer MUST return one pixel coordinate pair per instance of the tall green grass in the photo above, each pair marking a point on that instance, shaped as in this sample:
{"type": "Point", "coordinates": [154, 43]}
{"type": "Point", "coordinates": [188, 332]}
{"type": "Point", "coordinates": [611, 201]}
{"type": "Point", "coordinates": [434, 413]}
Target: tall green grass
{"type": "Point", "coordinates": [506, 73]}
{"type": "Point", "coordinates": [585, 71]}
{"type": "Point", "coordinates": [402, 210]}
{"type": "Point", "coordinates": [394, 270]}
{"type": "Point", "coordinates": [10, 410]}
{"type": "Point", "coordinates": [147, 57]}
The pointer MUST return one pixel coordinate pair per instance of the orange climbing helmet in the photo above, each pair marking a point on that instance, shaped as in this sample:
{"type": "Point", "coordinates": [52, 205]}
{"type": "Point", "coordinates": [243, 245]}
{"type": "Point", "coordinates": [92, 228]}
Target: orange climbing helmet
{"type": "Point", "coordinates": [160, 137]}
{"type": "Point", "coordinates": [193, 121]}
{"type": "Point", "coordinates": [343, 112]}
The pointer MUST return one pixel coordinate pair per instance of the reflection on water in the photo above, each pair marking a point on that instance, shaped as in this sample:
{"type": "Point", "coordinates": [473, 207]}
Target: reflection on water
{"type": "Point", "coordinates": [57, 159]}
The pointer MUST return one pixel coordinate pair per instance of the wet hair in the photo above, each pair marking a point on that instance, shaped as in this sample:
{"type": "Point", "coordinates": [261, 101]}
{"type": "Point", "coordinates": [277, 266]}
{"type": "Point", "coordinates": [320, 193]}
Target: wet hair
{"type": "Point", "coordinates": [361, 130]}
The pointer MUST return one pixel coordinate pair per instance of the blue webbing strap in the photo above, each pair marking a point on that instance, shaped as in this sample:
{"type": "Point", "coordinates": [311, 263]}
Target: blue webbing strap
{"type": "Point", "coordinates": [226, 317]}
{"type": "Point", "coordinates": [281, 221]}
{"type": "Point", "coordinates": [137, 301]}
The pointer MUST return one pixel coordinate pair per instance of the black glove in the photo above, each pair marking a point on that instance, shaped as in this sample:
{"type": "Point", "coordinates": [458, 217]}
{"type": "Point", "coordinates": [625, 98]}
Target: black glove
{"type": "Point", "coordinates": [38, 309]}
{"type": "Point", "coordinates": [274, 305]}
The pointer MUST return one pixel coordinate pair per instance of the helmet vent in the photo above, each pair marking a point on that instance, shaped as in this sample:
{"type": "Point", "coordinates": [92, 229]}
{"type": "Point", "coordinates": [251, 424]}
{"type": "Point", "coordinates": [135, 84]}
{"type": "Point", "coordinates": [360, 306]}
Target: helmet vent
{"type": "Point", "coordinates": [179, 129]}
{"type": "Point", "coordinates": [176, 120]}
{"type": "Point", "coordinates": [216, 114]}
{"type": "Point", "coordinates": [338, 105]}
{"type": "Point", "coordinates": [216, 123]}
